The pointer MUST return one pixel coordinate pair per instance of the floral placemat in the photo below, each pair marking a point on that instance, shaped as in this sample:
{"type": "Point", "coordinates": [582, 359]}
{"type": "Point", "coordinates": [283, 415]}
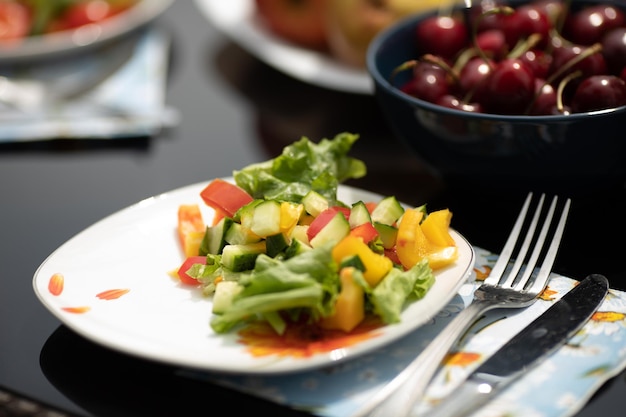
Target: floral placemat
{"type": "Point", "coordinates": [559, 387]}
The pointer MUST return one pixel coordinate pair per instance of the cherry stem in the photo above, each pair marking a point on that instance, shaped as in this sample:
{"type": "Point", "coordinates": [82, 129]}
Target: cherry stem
{"type": "Point", "coordinates": [559, 92]}
{"type": "Point", "coordinates": [593, 49]}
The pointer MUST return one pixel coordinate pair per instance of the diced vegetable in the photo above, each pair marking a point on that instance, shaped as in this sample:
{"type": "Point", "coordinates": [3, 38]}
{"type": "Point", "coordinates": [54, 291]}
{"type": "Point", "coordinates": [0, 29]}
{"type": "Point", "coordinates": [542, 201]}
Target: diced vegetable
{"type": "Point", "coordinates": [376, 265]}
{"type": "Point", "coordinates": [225, 196]}
{"type": "Point", "coordinates": [191, 228]}
{"type": "Point", "coordinates": [183, 275]}
{"type": "Point", "coordinates": [333, 231]}
{"type": "Point", "coordinates": [350, 304]}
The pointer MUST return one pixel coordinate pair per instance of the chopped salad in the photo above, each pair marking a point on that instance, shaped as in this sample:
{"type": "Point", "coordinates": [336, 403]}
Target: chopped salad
{"type": "Point", "coordinates": [283, 249]}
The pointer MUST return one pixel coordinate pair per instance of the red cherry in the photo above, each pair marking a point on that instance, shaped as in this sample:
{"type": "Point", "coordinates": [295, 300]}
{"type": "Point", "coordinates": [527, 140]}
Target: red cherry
{"type": "Point", "coordinates": [473, 76]}
{"type": "Point", "coordinates": [564, 61]}
{"type": "Point", "coordinates": [538, 61]}
{"type": "Point", "coordinates": [492, 42]}
{"type": "Point", "coordinates": [444, 36]}
{"type": "Point", "coordinates": [614, 49]}
{"type": "Point", "coordinates": [511, 87]}
{"type": "Point", "coordinates": [588, 25]}
{"type": "Point", "coordinates": [429, 82]}
{"type": "Point", "coordinates": [544, 102]}
{"type": "Point", "coordinates": [599, 92]}
{"type": "Point", "coordinates": [452, 102]}
{"type": "Point", "coordinates": [527, 20]}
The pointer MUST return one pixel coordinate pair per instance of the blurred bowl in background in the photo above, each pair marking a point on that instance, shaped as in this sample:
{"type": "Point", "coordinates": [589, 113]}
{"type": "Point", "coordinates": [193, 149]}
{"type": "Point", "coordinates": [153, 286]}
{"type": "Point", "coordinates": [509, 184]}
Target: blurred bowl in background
{"type": "Point", "coordinates": [571, 153]}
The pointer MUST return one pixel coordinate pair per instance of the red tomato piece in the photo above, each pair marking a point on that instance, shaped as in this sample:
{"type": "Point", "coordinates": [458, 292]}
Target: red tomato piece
{"type": "Point", "coordinates": [86, 12]}
{"type": "Point", "coordinates": [15, 22]}
{"type": "Point", "coordinates": [323, 218]}
{"type": "Point", "coordinates": [365, 231]}
{"type": "Point", "coordinates": [225, 197]}
{"type": "Point", "coordinates": [184, 277]}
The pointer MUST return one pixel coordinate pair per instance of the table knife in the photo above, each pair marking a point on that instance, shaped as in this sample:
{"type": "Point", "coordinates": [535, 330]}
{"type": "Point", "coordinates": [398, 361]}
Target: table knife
{"type": "Point", "coordinates": [532, 344]}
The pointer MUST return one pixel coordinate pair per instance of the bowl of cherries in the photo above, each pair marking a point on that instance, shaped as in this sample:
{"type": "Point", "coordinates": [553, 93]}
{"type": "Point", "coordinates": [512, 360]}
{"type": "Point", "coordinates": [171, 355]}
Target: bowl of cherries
{"type": "Point", "coordinates": [527, 93]}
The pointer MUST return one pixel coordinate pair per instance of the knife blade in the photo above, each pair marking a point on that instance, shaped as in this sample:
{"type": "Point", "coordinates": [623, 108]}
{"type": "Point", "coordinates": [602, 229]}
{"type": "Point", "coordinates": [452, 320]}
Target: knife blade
{"type": "Point", "coordinates": [525, 350]}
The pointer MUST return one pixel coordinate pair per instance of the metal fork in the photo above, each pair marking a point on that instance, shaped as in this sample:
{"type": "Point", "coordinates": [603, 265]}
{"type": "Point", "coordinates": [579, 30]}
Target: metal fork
{"type": "Point", "coordinates": [515, 286]}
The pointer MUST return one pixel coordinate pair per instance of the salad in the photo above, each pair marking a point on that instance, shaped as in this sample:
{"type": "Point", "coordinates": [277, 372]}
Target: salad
{"type": "Point", "coordinates": [283, 249]}
{"type": "Point", "coordinates": [20, 19]}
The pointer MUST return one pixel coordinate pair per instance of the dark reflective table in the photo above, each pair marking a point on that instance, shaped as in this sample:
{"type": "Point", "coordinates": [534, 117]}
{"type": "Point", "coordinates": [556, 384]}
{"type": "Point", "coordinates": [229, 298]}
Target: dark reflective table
{"type": "Point", "coordinates": [234, 111]}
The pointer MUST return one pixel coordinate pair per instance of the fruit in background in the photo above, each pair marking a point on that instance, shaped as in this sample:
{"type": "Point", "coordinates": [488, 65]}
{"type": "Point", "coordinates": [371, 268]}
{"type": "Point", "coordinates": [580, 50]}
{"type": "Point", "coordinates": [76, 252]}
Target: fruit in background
{"type": "Point", "coordinates": [302, 22]}
{"type": "Point", "coordinates": [352, 24]}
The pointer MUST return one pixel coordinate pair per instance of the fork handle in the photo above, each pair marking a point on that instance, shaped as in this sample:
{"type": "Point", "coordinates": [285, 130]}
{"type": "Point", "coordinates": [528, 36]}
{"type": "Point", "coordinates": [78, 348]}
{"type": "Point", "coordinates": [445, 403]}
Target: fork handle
{"type": "Point", "coordinates": [399, 396]}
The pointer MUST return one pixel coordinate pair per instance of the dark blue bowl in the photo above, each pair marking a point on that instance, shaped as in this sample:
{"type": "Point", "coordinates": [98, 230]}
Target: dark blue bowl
{"type": "Point", "coordinates": [556, 152]}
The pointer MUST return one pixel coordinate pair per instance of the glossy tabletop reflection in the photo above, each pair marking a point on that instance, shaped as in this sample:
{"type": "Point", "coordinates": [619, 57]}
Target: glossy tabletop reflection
{"type": "Point", "coordinates": [234, 110]}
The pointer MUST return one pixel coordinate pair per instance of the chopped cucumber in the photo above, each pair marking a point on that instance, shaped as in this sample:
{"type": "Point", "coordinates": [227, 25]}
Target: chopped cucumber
{"type": "Point", "coordinates": [336, 229]}
{"type": "Point", "coordinates": [314, 203]}
{"type": "Point", "coordinates": [215, 237]}
{"type": "Point", "coordinates": [276, 244]}
{"type": "Point", "coordinates": [354, 261]}
{"type": "Point", "coordinates": [239, 235]}
{"type": "Point", "coordinates": [296, 247]}
{"type": "Point", "coordinates": [359, 214]}
{"type": "Point", "coordinates": [387, 211]}
{"type": "Point", "coordinates": [225, 292]}
{"type": "Point", "coordinates": [387, 234]}
{"type": "Point", "coordinates": [266, 218]}
{"type": "Point", "coordinates": [239, 258]}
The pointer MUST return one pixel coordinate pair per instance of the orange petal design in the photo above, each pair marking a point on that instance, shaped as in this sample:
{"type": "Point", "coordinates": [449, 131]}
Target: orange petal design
{"type": "Point", "coordinates": [303, 341]}
{"type": "Point", "coordinates": [547, 294]}
{"type": "Point", "coordinates": [608, 316]}
{"type": "Point", "coordinates": [76, 310]}
{"type": "Point", "coordinates": [482, 275]}
{"type": "Point", "coordinates": [55, 285]}
{"type": "Point", "coordinates": [112, 294]}
{"type": "Point", "coordinates": [461, 358]}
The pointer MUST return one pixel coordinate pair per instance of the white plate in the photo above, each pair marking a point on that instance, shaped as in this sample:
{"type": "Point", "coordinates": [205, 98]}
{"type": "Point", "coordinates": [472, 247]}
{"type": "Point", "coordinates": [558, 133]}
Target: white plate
{"type": "Point", "coordinates": [237, 19]}
{"type": "Point", "coordinates": [88, 36]}
{"type": "Point", "coordinates": [163, 320]}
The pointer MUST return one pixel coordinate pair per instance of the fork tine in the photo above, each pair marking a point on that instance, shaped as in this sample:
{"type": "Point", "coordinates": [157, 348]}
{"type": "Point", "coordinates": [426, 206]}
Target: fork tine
{"type": "Point", "coordinates": [544, 272]}
{"type": "Point", "coordinates": [507, 251]}
{"type": "Point", "coordinates": [521, 256]}
{"type": "Point", "coordinates": [532, 262]}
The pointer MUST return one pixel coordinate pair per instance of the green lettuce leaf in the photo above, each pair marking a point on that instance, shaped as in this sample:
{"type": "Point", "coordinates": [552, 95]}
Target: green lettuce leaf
{"type": "Point", "coordinates": [303, 166]}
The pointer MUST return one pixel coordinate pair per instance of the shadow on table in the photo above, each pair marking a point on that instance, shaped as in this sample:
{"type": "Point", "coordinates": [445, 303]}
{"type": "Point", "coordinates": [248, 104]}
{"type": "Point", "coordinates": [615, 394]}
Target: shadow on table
{"type": "Point", "coordinates": [109, 383]}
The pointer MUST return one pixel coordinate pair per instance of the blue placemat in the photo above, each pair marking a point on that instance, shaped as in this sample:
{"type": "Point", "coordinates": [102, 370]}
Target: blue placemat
{"type": "Point", "coordinates": [559, 387]}
{"type": "Point", "coordinates": [117, 92]}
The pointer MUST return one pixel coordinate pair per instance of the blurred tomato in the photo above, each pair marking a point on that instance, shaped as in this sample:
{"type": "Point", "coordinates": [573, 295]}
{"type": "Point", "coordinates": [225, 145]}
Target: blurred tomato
{"type": "Point", "coordinates": [299, 21]}
{"type": "Point", "coordinates": [85, 12]}
{"type": "Point", "coordinates": [14, 22]}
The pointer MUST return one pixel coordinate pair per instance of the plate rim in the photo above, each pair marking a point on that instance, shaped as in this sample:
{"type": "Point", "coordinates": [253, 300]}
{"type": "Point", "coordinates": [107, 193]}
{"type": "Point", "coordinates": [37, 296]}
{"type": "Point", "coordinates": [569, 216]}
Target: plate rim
{"type": "Point", "coordinates": [266, 365]}
{"type": "Point", "coordinates": [235, 19]}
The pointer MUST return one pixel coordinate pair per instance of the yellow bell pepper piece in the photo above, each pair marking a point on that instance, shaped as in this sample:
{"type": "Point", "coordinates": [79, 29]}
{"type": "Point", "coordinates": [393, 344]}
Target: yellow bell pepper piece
{"type": "Point", "coordinates": [436, 227]}
{"type": "Point", "coordinates": [414, 241]}
{"type": "Point", "coordinates": [350, 304]}
{"type": "Point", "coordinates": [289, 215]}
{"type": "Point", "coordinates": [376, 265]}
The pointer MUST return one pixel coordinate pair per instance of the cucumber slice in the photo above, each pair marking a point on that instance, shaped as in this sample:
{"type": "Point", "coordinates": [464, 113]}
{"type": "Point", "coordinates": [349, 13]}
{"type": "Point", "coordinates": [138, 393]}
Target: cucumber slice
{"type": "Point", "coordinates": [225, 292]}
{"type": "Point", "coordinates": [276, 244]}
{"type": "Point", "coordinates": [239, 235]}
{"type": "Point", "coordinates": [354, 261]}
{"type": "Point", "coordinates": [387, 211]}
{"type": "Point", "coordinates": [314, 203]}
{"type": "Point", "coordinates": [387, 234]}
{"type": "Point", "coordinates": [266, 218]}
{"type": "Point", "coordinates": [359, 214]}
{"type": "Point", "coordinates": [215, 237]}
{"type": "Point", "coordinates": [239, 258]}
{"type": "Point", "coordinates": [336, 229]}
{"type": "Point", "coordinates": [296, 247]}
